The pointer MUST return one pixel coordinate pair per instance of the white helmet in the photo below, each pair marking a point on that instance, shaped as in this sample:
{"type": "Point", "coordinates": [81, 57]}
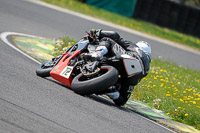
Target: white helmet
{"type": "Point", "coordinates": [144, 46]}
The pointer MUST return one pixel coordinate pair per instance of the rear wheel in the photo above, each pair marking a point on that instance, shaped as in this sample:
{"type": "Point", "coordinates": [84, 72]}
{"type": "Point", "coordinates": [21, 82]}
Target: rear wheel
{"type": "Point", "coordinates": [84, 85]}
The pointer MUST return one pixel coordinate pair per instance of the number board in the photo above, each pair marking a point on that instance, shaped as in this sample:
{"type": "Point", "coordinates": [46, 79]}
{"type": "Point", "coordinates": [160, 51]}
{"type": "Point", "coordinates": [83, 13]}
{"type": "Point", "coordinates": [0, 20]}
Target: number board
{"type": "Point", "coordinates": [66, 71]}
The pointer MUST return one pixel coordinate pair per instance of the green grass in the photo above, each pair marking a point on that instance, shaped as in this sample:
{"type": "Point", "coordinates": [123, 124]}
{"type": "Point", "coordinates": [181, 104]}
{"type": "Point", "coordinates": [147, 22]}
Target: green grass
{"type": "Point", "coordinates": [168, 87]}
{"type": "Point", "coordinates": [172, 89]}
{"type": "Point", "coordinates": [128, 22]}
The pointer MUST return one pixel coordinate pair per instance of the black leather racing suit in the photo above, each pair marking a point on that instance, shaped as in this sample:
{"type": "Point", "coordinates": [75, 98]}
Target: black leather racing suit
{"type": "Point", "coordinates": [116, 45]}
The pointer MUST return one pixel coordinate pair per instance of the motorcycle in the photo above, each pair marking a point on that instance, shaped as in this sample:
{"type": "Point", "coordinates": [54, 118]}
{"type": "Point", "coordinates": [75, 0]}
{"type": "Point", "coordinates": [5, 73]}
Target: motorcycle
{"type": "Point", "coordinates": [86, 76]}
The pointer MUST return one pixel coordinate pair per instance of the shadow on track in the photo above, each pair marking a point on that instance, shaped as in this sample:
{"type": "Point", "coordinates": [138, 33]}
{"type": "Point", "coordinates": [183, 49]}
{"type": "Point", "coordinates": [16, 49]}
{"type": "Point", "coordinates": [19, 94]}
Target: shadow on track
{"type": "Point", "coordinates": [94, 97]}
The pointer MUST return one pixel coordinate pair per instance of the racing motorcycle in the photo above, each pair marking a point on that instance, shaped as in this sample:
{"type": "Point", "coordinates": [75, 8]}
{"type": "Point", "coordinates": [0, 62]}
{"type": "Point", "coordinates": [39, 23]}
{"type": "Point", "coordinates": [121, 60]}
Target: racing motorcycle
{"type": "Point", "coordinates": [85, 75]}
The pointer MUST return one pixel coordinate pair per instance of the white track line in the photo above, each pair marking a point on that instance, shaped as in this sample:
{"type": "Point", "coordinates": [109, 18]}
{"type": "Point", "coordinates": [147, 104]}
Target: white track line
{"type": "Point", "coordinates": [106, 23]}
{"type": "Point", "coordinates": [4, 36]}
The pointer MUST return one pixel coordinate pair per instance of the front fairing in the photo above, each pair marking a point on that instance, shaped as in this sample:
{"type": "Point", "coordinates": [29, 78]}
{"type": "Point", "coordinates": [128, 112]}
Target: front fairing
{"type": "Point", "coordinates": [62, 72]}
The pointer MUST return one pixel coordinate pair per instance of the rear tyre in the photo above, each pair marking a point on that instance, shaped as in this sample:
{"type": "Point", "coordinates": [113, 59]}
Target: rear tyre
{"type": "Point", "coordinates": [107, 77]}
{"type": "Point", "coordinates": [44, 69]}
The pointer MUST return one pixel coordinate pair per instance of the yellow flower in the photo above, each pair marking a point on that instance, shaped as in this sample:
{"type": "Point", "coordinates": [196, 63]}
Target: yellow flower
{"type": "Point", "coordinates": [178, 82]}
{"type": "Point", "coordinates": [152, 71]}
{"type": "Point", "coordinates": [194, 102]}
{"type": "Point", "coordinates": [154, 85]}
{"type": "Point", "coordinates": [184, 91]}
{"type": "Point", "coordinates": [167, 113]}
{"type": "Point", "coordinates": [179, 107]}
{"type": "Point", "coordinates": [162, 85]}
{"type": "Point", "coordinates": [168, 95]}
{"type": "Point", "coordinates": [181, 100]}
{"type": "Point", "coordinates": [186, 114]}
{"type": "Point", "coordinates": [156, 72]}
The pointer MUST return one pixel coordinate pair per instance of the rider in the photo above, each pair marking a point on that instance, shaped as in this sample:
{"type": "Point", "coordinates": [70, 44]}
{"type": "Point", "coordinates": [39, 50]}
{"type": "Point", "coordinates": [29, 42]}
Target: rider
{"type": "Point", "coordinates": [110, 42]}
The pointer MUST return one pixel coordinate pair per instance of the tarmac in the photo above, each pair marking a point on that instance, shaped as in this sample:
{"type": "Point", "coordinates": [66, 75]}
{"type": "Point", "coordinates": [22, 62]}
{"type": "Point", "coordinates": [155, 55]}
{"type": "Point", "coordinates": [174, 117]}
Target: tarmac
{"type": "Point", "coordinates": [41, 49]}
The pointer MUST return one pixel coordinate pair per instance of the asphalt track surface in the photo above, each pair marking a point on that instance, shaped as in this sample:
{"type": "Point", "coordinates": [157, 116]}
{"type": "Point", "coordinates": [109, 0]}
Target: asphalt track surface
{"type": "Point", "coordinates": [30, 104]}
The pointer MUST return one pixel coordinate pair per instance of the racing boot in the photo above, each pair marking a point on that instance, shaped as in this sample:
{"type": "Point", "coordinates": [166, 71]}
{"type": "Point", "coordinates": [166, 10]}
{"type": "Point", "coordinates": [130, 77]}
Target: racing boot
{"type": "Point", "coordinates": [125, 94]}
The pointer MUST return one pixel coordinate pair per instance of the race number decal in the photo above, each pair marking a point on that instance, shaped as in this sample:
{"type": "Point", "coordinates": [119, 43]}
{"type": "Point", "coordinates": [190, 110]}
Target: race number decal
{"type": "Point", "coordinates": [66, 72]}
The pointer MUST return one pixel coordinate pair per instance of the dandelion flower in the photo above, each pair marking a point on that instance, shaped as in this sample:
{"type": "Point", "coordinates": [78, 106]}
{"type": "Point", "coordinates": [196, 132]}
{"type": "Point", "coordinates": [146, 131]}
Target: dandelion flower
{"type": "Point", "coordinates": [186, 114]}
{"type": "Point", "coordinates": [156, 72]}
{"type": "Point", "coordinates": [162, 85]}
{"type": "Point", "coordinates": [167, 113]}
{"type": "Point", "coordinates": [168, 95]}
{"type": "Point", "coordinates": [181, 100]}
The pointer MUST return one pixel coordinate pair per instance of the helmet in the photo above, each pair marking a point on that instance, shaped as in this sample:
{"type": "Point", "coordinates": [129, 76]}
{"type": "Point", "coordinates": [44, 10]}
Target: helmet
{"type": "Point", "coordinates": [92, 36]}
{"type": "Point", "coordinates": [144, 46]}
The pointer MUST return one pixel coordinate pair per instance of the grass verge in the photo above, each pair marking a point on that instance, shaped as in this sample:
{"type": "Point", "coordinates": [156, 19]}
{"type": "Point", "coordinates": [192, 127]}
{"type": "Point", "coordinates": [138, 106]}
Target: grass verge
{"type": "Point", "coordinates": [172, 89]}
{"type": "Point", "coordinates": [168, 87]}
{"type": "Point", "coordinates": [128, 22]}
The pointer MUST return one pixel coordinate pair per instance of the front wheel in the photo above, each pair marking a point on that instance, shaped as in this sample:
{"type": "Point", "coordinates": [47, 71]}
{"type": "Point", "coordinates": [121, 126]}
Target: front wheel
{"type": "Point", "coordinates": [107, 77]}
{"type": "Point", "coordinates": [44, 69]}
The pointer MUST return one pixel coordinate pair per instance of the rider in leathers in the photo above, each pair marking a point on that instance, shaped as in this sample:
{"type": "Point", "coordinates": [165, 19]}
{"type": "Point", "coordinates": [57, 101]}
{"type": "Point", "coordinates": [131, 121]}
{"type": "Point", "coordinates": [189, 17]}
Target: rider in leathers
{"type": "Point", "coordinates": [110, 42]}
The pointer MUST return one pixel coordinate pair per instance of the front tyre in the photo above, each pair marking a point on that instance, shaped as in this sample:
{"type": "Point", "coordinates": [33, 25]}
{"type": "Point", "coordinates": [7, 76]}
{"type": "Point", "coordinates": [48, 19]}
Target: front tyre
{"type": "Point", "coordinates": [107, 77]}
{"type": "Point", "coordinates": [44, 69]}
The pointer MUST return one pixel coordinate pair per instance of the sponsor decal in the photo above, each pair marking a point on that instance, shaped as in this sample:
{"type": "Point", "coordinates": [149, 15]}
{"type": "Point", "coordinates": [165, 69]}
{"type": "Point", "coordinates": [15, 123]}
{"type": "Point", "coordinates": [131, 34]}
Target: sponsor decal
{"type": "Point", "coordinates": [66, 71]}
